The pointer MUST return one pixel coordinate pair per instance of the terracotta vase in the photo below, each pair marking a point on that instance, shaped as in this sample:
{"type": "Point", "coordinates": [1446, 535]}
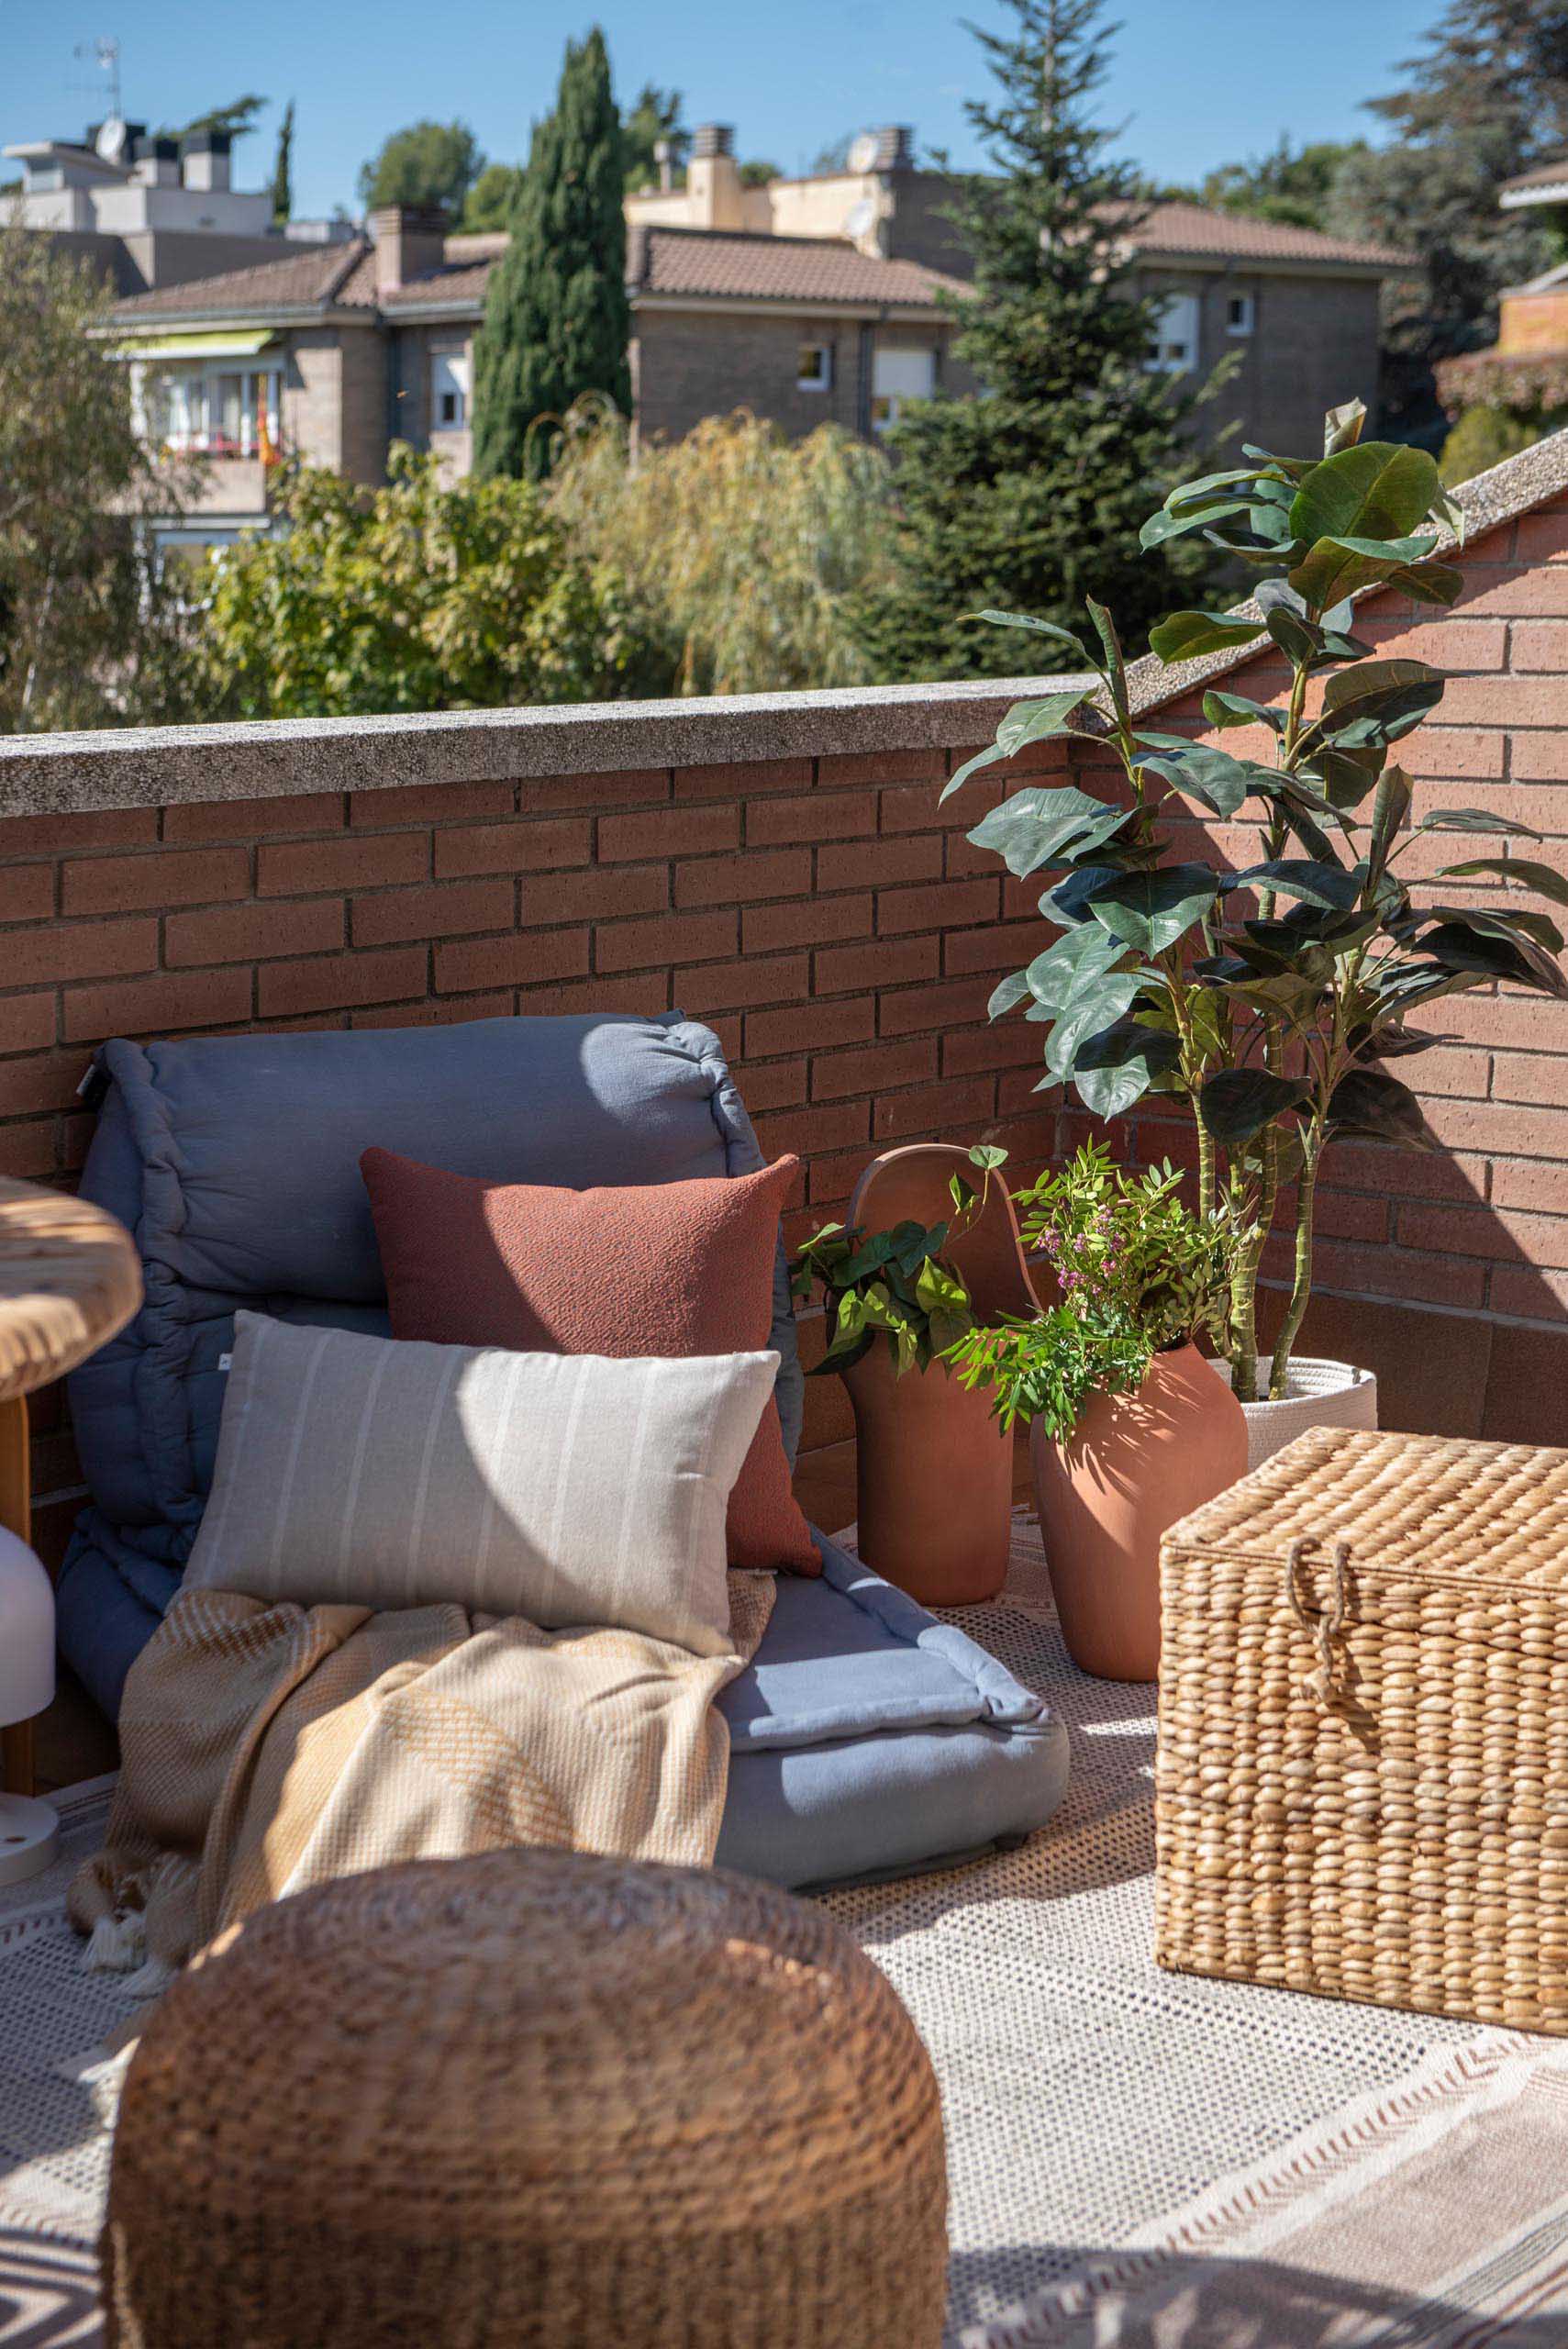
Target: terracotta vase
{"type": "Point", "coordinates": [1135, 1464]}
{"type": "Point", "coordinates": [934, 1481]}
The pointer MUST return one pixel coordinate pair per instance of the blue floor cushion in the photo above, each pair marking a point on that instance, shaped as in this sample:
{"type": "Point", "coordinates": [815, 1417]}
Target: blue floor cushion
{"type": "Point", "coordinates": [866, 1737]}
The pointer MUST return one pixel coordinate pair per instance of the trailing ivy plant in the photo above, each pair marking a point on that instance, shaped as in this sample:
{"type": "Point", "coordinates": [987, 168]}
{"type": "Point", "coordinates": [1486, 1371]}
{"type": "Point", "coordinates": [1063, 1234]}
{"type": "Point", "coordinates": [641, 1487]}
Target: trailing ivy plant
{"type": "Point", "coordinates": [1271, 1000]}
{"type": "Point", "coordinates": [885, 1283]}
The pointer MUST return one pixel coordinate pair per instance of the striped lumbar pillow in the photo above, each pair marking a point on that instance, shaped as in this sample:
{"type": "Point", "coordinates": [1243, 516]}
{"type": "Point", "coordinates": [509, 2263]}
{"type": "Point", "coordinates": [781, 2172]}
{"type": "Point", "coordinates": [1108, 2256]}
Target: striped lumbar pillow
{"type": "Point", "coordinates": [565, 1487]}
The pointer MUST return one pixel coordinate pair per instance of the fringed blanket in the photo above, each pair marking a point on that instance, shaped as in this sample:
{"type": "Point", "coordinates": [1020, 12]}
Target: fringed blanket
{"type": "Point", "coordinates": [269, 1747]}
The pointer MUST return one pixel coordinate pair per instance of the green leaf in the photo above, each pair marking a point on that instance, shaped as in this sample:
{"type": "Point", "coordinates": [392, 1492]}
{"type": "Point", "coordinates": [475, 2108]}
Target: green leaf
{"type": "Point", "coordinates": [1114, 669]}
{"type": "Point", "coordinates": [1476, 820]}
{"type": "Point", "coordinates": [1026, 721]}
{"type": "Point", "coordinates": [1348, 776]}
{"type": "Point", "coordinates": [1296, 639]}
{"type": "Point", "coordinates": [1185, 635]}
{"type": "Point", "coordinates": [1542, 877]}
{"type": "Point", "coordinates": [1116, 1067]}
{"type": "Point", "coordinates": [1368, 1101]}
{"type": "Point", "coordinates": [1519, 923]}
{"type": "Point", "coordinates": [1030, 829]}
{"type": "Point", "coordinates": [1389, 810]}
{"type": "Point", "coordinates": [1038, 627]}
{"type": "Point", "coordinates": [1225, 709]}
{"type": "Point", "coordinates": [1069, 902]}
{"type": "Point", "coordinates": [1430, 582]}
{"type": "Point", "coordinates": [1342, 427]}
{"type": "Point", "coordinates": [1378, 702]}
{"type": "Point", "coordinates": [1014, 989]}
{"type": "Point", "coordinates": [1471, 944]}
{"type": "Point", "coordinates": [988, 1155]}
{"type": "Point", "coordinates": [1317, 882]}
{"type": "Point", "coordinates": [1334, 568]}
{"type": "Point", "coordinates": [1149, 911]}
{"type": "Point", "coordinates": [1070, 963]}
{"type": "Point", "coordinates": [1098, 1005]}
{"type": "Point", "coordinates": [1214, 778]}
{"type": "Point", "coordinates": [1377, 489]}
{"type": "Point", "coordinates": [1163, 526]}
{"type": "Point", "coordinates": [1236, 1103]}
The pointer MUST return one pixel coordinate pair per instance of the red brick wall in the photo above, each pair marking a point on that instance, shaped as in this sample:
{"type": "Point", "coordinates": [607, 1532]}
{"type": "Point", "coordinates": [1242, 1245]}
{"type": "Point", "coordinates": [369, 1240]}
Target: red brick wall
{"type": "Point", "coordinates": [1451, 1272]}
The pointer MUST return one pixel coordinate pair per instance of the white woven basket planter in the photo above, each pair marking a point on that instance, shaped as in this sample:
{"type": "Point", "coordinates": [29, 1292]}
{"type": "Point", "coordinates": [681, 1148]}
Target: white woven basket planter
{"type": "Point", "coordinates": [1321, 1395]}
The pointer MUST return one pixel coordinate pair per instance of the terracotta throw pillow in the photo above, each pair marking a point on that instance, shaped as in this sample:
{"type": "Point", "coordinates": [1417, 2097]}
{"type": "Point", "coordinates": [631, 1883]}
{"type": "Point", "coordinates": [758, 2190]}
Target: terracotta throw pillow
{"type": "Point", "coordinates": [662, 1268]}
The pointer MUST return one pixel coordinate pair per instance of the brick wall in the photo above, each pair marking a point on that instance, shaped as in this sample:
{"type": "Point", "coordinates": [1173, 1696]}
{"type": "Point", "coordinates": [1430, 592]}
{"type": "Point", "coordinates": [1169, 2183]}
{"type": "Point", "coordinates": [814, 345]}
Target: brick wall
{"type": "Point", "coordinates": [823, 914]}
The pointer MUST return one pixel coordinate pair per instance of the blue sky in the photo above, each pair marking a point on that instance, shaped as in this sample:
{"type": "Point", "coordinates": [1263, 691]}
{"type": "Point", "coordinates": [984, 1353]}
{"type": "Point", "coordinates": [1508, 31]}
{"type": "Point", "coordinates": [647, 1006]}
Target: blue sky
{"type": "Point", "coordinates": [1198, 81]}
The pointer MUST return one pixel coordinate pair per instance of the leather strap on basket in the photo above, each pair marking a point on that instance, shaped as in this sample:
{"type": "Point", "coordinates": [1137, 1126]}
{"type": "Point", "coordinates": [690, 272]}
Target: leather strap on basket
{"type": "Point", "coordinates": [1322, 1630]}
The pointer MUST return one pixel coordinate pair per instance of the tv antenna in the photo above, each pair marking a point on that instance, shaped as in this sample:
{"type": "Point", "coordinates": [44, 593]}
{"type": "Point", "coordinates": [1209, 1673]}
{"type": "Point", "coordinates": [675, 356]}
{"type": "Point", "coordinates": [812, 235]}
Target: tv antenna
{"type": "Point", "coordinates": [105, 54]}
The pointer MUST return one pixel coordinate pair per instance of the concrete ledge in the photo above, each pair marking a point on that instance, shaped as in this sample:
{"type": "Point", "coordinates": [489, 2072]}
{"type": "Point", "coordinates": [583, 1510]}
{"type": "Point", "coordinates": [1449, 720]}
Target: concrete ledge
{"type": "Point", "coordinates": [163, 765]}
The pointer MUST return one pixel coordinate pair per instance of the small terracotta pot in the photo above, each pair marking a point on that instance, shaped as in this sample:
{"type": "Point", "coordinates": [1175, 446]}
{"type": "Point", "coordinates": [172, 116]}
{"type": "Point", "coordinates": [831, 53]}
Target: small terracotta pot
{"type": "Point", "coordinates": [1135, 1464]}
{"type": "Point", "coordinates": [934, 1481]}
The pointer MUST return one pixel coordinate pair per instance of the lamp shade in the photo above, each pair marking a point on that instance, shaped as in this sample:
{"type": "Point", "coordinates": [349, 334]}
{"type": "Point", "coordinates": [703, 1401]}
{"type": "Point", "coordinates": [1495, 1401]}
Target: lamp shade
{"type": "Point", "coordinates": [27, 1633]}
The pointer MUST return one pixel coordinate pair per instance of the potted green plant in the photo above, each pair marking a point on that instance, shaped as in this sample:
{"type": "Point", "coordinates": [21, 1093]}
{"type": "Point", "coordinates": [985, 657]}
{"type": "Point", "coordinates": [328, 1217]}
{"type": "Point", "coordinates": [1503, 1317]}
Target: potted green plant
{"type": "Point", "coordinates": [1272, 1000]}
{"type": "Point", "coordinates": [931, 1247]}
{"type": "Point", "coordinates": [1130, 1428]}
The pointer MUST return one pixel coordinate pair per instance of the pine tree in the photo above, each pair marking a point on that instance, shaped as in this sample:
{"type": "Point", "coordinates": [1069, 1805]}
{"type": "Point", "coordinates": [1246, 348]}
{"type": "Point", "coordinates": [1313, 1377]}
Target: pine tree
{"type": "Point", "coordinates": [1030, 496]}
{"type": "Point", "coordinates": [282, 169]}
{"type": "Point", "coordinates": [557, 321]}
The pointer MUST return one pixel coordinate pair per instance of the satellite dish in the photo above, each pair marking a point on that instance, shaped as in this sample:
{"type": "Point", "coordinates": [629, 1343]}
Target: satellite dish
{"type": "Point", "coordinates": [111, 139]}
{"type": "Point", "coordinates": [860, 219]}
{"type": "Point", "coordinates": [863, 151]}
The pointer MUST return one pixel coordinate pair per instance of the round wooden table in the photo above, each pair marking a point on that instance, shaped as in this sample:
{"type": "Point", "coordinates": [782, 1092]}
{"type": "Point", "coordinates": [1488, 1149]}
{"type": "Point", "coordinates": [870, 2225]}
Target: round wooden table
{"type": "Point", "coordinates": [70, 1278]}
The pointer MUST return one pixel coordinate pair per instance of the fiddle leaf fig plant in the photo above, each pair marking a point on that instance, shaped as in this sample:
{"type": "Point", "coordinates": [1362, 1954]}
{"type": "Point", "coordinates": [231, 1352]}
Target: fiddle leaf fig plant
{"type": "Point", "coordinates": [1272, 999]}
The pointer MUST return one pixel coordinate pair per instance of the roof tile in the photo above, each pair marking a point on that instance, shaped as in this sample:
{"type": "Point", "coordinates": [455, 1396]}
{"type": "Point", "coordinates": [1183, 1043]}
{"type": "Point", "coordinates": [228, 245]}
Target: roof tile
{"type": "Point", "coordinates": [299, 281]}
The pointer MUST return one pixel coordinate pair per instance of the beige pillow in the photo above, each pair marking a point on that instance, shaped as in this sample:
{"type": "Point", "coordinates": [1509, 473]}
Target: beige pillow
{"type": "Point", "coordinates": [564, 1488]}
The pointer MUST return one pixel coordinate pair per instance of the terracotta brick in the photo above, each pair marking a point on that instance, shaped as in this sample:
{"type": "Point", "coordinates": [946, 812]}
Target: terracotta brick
{"type": "Point", "coordinates": [254, 820]}
{"type": "Point", "coordinates": [749, 874]}
{"type": "Point", "coordinates": [1530, 1076]}
{"type": "Point", "coordinates": [713, 988]}
{"type": "Point", "coordinates": [40, 1081]}
{"type": "Point", "coordinates": [27, 892]}
{"type": "Point", "coordinates": [1003, 1043]}
{"type": "Point", "coordinates": [1540, 758]}
{"type": "Point", "coordinates": [1448, 643]}
{"type": "Point", "coordinates": [913, 807]}
{"type": "Point", "coordinates": [299, 868]}
{"type": "Point", "coordinates": [1500, 1127]}
{"type": "Point", "coordinates": [83, 950]}
{"type": "Point", "coordinates": [1533, 1296]}
{"type": "Point", "coordinates": [593, 892]}
{"type": "Point", "coordinates": [448, 1013]}
{"type": "Point", "coordinates": [872, 1068]}
{"type": "Point", "coordinates": [743, 780]}
{"type": "Point", "coordinates": [1543, 538]}
{"type": "Point", "coordinates": [814, 1026]}
{"type": "Point", "coordinates": [909, 1010]}
{"type": "Point", "coordinates": [1486, 1231]}
{"type": "Point", "coordinates": [954, 901]}
{"type": "Point", "coordinates": [644, 997]}
{"type": "Point", "coordinates": [1460, 753]}
{"type": "Point", "coordinates": [765, 927]}
{"type": "Point", "coordinates": [772, 1085]}
{"type": "Point", "coordinates": [999, 946]}
{"type": "Point", "coordinates": [1342, 1266]}
{"type": "Point", "coordinates": [66, 835]}
{"type": "Point", "coordinates": [669, 832]}
{"type": "Point", "coordinates": [1506, 701]}
{"type": "Point", "coordinates": [336, 982]}
{"type": "Point", "coordinates": [670, 938]}
{"type": "Point", "coordinates": [164, 1006]}
{"type": "Point", "coordinates": [1510, 1022]}
{"type": "Point", "coordinates": [123, 884]}
{"type": "Point", "coordinates": [529, 844]}
{"type": "Point", "coordinates": [517, 959]}
{"type": "Point", "coordinates": [816, 815]}
{"type": "Point", "coordinates": [430, 802]}
{"type": "Point", "coordinates": [887, 962]}
{"type": "Point", "coordinates": [250, 933]}
{"type": "Point", "coordinates": [845, 768]}
{"type": "Point", "coordinates": [861, 864]}
{"type": "Point", "coordinates": [838, 1125]}
{"type": "Point", "coordinates": [434, 909]}
{"type": "Point", "coordinates": [618, 788]}
{"type": "Point", "coordinates": [1404, 1174]}
{"type": "Point", "coordinates": [26, 1021]}
{"type": "Point", "coordinates": [947, 1111]}
{"type": "Point", "coordinates": [1518, 1183]}
{"type": "Point", "coordinates": [1506, 591]}
{"type": "Point", "coordinates": [28, 1152]}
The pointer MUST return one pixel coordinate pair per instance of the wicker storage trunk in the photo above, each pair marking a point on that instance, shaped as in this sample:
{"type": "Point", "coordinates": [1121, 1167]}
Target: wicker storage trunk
{"type": "Point", "coordinates": [1362, 1784]}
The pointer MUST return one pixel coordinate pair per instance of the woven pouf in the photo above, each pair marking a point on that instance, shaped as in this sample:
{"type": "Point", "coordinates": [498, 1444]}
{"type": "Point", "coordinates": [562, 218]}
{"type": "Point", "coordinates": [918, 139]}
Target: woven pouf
{"type": "Point", "coordinates": [530, 2098]}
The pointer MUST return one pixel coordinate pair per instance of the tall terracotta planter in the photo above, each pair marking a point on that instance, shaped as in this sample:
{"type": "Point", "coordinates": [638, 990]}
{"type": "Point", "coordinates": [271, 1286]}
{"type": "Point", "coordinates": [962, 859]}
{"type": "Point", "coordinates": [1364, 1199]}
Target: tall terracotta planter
{"type": "Point", "coordinates": [1135, 1464]}
{"type": "Point", "coordinates": [934, 1481]}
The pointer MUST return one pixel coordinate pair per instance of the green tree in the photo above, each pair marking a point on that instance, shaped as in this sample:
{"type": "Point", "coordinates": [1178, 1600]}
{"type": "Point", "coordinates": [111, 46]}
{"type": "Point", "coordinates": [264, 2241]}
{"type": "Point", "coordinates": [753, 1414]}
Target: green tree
{"type": "Point", "coordinates": [282, 169]}
{"type": "Point", "coordinates": [423, 595]}
{"type": "Point", "coordinates": [656, 116]}
{"type": "Point", "coordinates": [430, 163]}
{"type": "Point", "coordinates": [1290, 184]}
{"type": "Point", "coordinates": [89, 633]}
{"type": "Point", "coordinates": [1486, 99]}
{"type": "Point", "coordinates": [557, 321]}
{"type": "Point", "coordinates": [233, 120]}
{"type": "Point", "coordinates": [1032, 494]}
{"type": "Point", "coordinates": [489, 203]}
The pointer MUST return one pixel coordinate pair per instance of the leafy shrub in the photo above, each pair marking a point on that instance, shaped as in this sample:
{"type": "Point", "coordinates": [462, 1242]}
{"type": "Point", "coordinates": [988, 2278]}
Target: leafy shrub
{"type": "Point", "coordinates": [1483, 437]}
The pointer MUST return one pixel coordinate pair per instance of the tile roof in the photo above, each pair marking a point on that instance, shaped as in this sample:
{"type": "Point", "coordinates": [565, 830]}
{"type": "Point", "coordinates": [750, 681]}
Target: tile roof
{"type": "Point", "coordinates": [459, 282]}
{"type": "Point", "coordinates": [1194, 229]}
{"type": "Point", "coordinates": [717, 263]}
{"type": "Point", "coordinates": [1551, 175]}
{"type": "Point", "coordinates": [301, 281]}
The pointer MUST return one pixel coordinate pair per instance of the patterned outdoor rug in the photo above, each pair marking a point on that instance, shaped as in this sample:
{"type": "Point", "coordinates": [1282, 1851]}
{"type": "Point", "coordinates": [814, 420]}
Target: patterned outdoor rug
{"type": "Point", "coordinates": [1137, 2160]}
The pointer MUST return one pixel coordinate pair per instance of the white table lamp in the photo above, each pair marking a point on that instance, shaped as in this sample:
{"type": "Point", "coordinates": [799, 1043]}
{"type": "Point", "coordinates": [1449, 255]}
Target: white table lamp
{"type": "Point", "coordinates": [29, 1830]}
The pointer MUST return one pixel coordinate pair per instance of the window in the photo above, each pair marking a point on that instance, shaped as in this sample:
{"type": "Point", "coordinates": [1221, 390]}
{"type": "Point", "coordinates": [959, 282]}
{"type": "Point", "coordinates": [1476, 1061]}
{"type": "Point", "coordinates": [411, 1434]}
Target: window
{"type": "Point", "coordinates": [448, 390]}
{"type": "Point", "coordinates": [217, 412]}
{"type": "Point", "coordinates": [814, 368]}
{"type": "Point", "coordinates": [1237, 314]}
{"type": "Point", "coordinates": [1173, 348]}
{"type": "Point", "coordinates": [898, 375]}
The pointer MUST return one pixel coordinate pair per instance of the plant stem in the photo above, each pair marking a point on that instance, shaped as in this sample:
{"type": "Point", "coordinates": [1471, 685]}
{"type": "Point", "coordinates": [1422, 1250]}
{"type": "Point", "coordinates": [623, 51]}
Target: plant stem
{"type": "Point", "coordinates": [1301, 1289]}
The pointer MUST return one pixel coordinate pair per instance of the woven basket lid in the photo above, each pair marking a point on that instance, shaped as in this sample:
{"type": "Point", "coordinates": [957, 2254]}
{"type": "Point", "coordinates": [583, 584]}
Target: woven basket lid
{"type": "Point", "coordinates": [69, 1279]}
{"type": "Point", "coordinates": [1432, 1507]}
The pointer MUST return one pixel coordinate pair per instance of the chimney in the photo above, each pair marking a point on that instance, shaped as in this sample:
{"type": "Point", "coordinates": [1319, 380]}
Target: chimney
{"type": "Point", "coordinates": [895, 147]}
{"type": "Point", "coordinates": [410, 241]}
{"type": "Point", "coordinates": [157, 162]}
{"type": "Point", "coordinates": [713, 178]}
{"type": "Point", "coordinates": [203, 160]}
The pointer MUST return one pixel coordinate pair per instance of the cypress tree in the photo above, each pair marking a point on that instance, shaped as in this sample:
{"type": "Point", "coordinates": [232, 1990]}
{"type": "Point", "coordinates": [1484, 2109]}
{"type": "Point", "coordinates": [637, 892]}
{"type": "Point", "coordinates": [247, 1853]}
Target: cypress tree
{"type": "Point", "coordinates": [1030, 496]}
{"type": "Point", "coordinates": [556, 319]}
{"type": "Point", "coordinates": [283, 171]}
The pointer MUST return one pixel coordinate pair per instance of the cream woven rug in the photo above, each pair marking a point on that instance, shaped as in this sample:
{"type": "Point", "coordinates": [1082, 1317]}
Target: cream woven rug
{"type": "Point", "coordinates": [1137, 2160]}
